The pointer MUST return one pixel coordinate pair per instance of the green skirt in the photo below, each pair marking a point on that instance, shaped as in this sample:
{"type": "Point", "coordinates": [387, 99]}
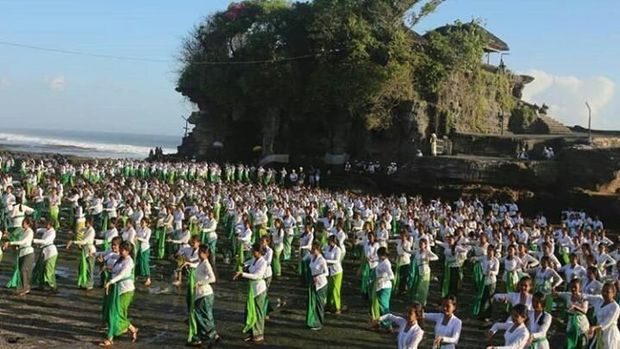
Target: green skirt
{"type": "Point", "coordinates": [203, 315]}
{"type": "Point", "coordinates": [143, 268]}
{"type": "Point", "coordinates": [118, 311]}
{"type": "Point", "coordinates": [85, 270]}
{"type": "Point", "coordinates": [478, 276]}
{"type": "Point", "coordinates": [315, 314]}
{"type": "Point", "coordinates": [255, 312]}
{"type": "Point", "coordinates": [334, 285]}
{"type": "Point", "coordinates": [420, 284]}
{"type": "Point", "coordinates": [190, 299]}
{"type": "Point", "coordinates": [44, 272]}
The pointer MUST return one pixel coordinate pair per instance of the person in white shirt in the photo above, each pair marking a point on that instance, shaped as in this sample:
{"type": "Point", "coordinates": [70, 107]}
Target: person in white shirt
{"type": "Point", "coordinates": [410, 334]}
{"type": "Point", "coordinates": [421, 272]}
{"type": "Point", "coordinates": [382, 287]}
{"type": "Point", "coordinates": [577, 325]}
{"type": "Point", "coordinates": [606, 333]}
{"type": "Point", "coordinates": [23, 269]}
{"type": "Point", "coordinates": [447, 325]}
{"type": "Point", "coordinates": [257, 294]}
{"type": "Point", "coordinates": [404, 249]}
{"type": "Point", "coordinates": [120, 290]}
{"type": "Point", "coordinates": [143, 237]}
{"type": "Point", "coordinates": [489, 270]}
{"type": "Point", "coordinates": [305, 244]}
{"type": "Point", "coordinates": [44, 273]}
{"type": "Point", "coordinates": [516, 334]}
{"type": "Point", "coordinates": [317, 293]}
{"type": "Point", "coordinates": [333, 257]}
{"type": "Point", "coordinates": [201, 318]}
{"type": "Point", "coordinates": [208, 234]}
{"type": "Point", "coordinates": [538, 323]}
{"type": "Point", "coordinates": [87, 260]}
{"type": "Point", "coordinates": [277, 240]}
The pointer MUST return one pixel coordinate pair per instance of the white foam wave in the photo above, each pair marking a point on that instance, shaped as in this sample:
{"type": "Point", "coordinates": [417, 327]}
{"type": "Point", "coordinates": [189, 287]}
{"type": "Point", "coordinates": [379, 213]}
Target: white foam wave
{"type": "Point", "coordinates": [106, 149]}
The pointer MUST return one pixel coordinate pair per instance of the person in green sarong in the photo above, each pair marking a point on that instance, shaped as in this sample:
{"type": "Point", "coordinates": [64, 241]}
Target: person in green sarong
{"type": "Point", "coordinates": [369, 263]}
{"type": "Point", "coordinates": [317, 289]}
{"type": "Point", "coordinates": [305, 244]}
{"type": "Point", "coordinates": [120, 292]}
{"type": "Point", "coordinates": [202, 323]}
{"type": "Point", "coordinates": [277, 240]}
{"type": "Point", "coordinates": [257, 294]}
{"type": "Point", "coordinates": [381, 288]}
{"type": "Point", "coordinates": [44, 273]}
{"type": "Point", "coordinates": [486, 269]}
{"type": "Point", "coordinates": [577, 325]}
{"type": "Point", "coordinates": [421, 273]}
{"type": "Point", "coordinates": [333, 256]}
{"type": "Point", "coordinates": [208, 234]}
{"type": "Point", "coordinates": [106, 260]}
{"type": "Point", "coordinates": [290, 224]}
{"type": "Point", "coordinates": [143, 238]}
{"type": "Point", "coordinates": [25, 257]}
{"type": "Point", "coordinates": [54, 208]}
{"type": "Point", "coordinates": [86, 242]}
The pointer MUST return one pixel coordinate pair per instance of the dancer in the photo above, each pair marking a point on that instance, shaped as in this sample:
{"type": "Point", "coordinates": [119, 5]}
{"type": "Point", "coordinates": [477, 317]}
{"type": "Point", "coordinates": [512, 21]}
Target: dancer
{"type": "Point", "coordinates": [87, 260]}
{"type": "Point", "coordinates": [516, 334]}
{"type": "Point", "coordinates": [447, 325]}
{"type": "Point", "coordinates": [44, 273]}
{"type": "Point", "coordinates": [410, 333]}
{"type": "Point", "coordinates": [421, 273]}
{"type": "Point", "coordinates": [539, 322]}
{"type": "Point", "coordinates": [382, 287]}
{"type": "Point", "coordinates": [333, 257]}
{"type": "Point", "coordinates": [143, 237]}
{"type": "Point", "coordinates": [577, 325]}
{"type": "Point", "coordinates": [120, 289]}
{"type": "Point", "coordinates": [257, 294]}
{"type": "Point", "coordinates": [203, 303]}
{"type": "Point", "coordinates": [606, 334]}
{"type": "Point", "coordinates": [25, 256]}
{"type": "Point", "coordinates": [317, 290]}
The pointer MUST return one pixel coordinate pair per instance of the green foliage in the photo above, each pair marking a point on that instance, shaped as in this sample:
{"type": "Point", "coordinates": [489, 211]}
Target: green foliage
{"type": "Point", "coordinates": [521, 119]}
{"type": "Point", "coordinates": [334, 59]}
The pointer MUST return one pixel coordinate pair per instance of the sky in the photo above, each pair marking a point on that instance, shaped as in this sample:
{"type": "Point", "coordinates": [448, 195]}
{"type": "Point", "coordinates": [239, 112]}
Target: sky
{"type": "Point", "coordinates": [571, 47]}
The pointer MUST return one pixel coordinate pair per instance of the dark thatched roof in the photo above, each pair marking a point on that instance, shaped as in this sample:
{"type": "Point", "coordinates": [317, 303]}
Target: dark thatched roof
{"type": "Point", "coordinates": [494, 44]}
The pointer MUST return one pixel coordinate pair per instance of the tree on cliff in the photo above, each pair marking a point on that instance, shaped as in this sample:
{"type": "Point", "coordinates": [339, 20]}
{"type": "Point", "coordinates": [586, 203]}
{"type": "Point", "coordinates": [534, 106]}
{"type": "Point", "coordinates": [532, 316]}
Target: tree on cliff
{"type": "Point", "coordinates": [330, 65]}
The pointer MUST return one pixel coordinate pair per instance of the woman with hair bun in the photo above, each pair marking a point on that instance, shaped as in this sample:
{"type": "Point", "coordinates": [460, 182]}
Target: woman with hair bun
{"type": "Point", "coordinates": [410, 333]}
{"type": "Point", "coordinates": [516, 334]}
{"type": "Point", "coordinates": [606, 333]}
{"type": "Point", "coordinates": [447, 325]}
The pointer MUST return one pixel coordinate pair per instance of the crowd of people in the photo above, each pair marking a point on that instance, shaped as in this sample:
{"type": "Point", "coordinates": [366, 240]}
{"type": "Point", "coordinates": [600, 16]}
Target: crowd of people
{"type": "Point", "coordinates": [124, 215]}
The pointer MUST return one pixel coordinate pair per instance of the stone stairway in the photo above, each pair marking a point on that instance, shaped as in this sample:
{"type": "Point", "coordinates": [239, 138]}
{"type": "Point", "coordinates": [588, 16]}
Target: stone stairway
{"type": "Point", "coordinates": [555, 127]}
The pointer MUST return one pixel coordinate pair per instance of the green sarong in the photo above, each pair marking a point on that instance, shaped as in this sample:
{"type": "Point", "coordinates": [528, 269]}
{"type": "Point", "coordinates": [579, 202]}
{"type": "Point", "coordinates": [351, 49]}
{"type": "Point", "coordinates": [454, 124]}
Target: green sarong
{"type": "Point", "coordinates": [255, 312]}
{"type": "Point", "coordinates": [143, 268]}
{"type": "Point", "coordinates": [85, 270]}
{"type": "Point", "coordinates": [118, 321]}
{"type": "Point", "coordinates": [315, 314]}
{"type": "Point", "coordinates": [276, 265]}
{"type": "Point", "coordinates": [44, 272]}
{"type": "Point", "coordinates": [334, 285]}
{"type": "Point", "coordinates": [15, 234]}
{"type": "Point", "coordinates": [478, 276]}
{"type": "Point", "coordinates": [203, 315]}
{"type": "Point", "coordinates": [190, 298]}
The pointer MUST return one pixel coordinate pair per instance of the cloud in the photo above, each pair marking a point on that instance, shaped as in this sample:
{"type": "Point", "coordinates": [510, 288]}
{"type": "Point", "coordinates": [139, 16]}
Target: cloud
{"type": "Point", "coordinates": [566, 96]}
{"type": "Point", "coordinates": [56, 83]}
{"type": "Point", "coordinates": [4, 82]}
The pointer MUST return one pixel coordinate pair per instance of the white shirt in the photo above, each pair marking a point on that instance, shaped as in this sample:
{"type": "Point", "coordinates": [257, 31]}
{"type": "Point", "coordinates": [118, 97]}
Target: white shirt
{"type": "Point", "coordinates": [516, 339]}
{"type": "Point", "coordinates": [319, 270]}
{"type": "Point", "coordinates": [256, 272]}
{"type": "Point", "coordinates": [25, 243]}
{"type": "Point", "coordinates": [122, 273]}
{"type": "Point", "coordinates": [514, 298]}
{"type": "Point", "coordinates": [268, 256]}
{"type": "Point", "coordinates": [332, 257]}
{"type": "Point", "coordinates": [384, 274]}
{"type": "Point", "coordinates": [490, 268]}
{"type": "Point", "coordinates": [47, 243]}
{"type": "Point", "coordinates": [129, 235]}
{"type": "Point", "coordinates": [88, 242]}
{"type": "Point", "coordinates": [204, 278]}
{"type": "Point", "coordinates": [449, 333]}
{"type": "Point", "coordinates": [538, 327]}
{"type": "Point", "coordinates": [407, 338]}
{"type": "Point", "coordinates": [144, 236]}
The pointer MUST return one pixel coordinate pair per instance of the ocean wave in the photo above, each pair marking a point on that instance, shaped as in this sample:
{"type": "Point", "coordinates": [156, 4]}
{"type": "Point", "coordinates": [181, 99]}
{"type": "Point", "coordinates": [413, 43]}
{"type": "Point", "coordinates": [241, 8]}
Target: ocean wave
{"type": "Point", "coordinates": [75, 146]}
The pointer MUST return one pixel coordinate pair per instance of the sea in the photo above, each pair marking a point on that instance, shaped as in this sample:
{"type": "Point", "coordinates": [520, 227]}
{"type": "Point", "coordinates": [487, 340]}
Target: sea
{"type": "Point", "coordinates": [88, 144]}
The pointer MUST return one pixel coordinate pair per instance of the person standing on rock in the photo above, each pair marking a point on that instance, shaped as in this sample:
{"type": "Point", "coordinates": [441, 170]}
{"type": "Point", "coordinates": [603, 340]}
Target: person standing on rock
{"type": "Point", "coordinates": [87, 260]}
{"type": "Point", "coordinates": [410, 333]}
{"type": "Point", "coordinates": [333, 257]}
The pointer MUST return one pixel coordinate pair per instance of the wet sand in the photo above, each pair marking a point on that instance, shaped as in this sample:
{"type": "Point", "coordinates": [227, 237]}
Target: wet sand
{"type": "Point", "coordinates": [72, 318]}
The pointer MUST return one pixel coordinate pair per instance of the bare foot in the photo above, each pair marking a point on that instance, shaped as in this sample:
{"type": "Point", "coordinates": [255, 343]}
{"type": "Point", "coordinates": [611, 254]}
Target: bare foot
{"type": "Point", "coordinates": [106, 343]}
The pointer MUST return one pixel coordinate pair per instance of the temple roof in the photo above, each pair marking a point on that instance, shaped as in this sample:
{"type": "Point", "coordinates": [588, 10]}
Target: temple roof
{"type": "Point", "coordinates": [494, 44]}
